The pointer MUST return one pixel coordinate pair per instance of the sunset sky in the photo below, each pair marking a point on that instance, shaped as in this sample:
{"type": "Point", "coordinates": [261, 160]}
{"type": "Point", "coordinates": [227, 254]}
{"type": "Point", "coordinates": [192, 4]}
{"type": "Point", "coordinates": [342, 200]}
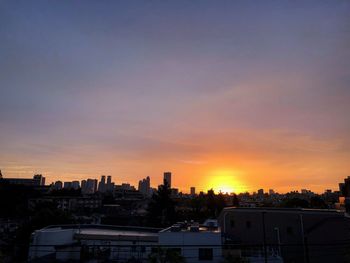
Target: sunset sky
{"type": "Point", "coordinates": [234, 95]}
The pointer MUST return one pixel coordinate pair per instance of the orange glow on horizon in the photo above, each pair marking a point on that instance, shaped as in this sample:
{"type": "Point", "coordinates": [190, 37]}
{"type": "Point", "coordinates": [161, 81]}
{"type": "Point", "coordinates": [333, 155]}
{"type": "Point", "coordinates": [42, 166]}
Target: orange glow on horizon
{"type": "Point", "coordinates": [225, 181]}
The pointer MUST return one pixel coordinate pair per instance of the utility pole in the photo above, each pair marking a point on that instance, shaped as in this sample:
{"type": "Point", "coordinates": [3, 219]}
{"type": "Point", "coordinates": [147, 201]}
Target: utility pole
{"type": "Point", "coordinates": [306, 258]}
{"type": "Point", "coordinates": [264, 236]}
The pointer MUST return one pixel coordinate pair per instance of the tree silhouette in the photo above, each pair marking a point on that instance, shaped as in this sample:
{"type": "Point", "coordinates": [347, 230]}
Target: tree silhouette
{"type": "Point", "coordinates": [161, 209]}
{"type": "Point", "coordinates": [164, 255]}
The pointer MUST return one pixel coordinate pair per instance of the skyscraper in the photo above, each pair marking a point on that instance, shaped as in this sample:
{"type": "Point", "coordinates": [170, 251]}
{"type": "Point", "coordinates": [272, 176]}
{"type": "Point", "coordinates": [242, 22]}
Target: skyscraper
{"type": "Point", "coordinates": [83, 186]}
{"type": "Point", "coordinates": [109, 186]}
{"type": "Point", "coordinates": [167, 178]}
{"type": "Point", "coordinates": [145, 186]}
{"type": "Point", "coordinates": [102, 184]}
{"type": "Point", "coordinates": [76, 185]}
{"type": "Point", "coordinates": [91, 185]}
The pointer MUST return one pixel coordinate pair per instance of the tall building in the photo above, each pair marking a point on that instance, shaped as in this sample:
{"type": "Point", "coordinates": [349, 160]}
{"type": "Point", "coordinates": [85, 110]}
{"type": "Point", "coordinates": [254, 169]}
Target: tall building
{"type": "Point", "coordinates": [67, 185]}
{"type": "Point", "coordinates": [167, 179]}
{"type": "Point", "coordinates": [110, 185]}
{"type": "Point", "coordinates": [345, 187]}
{"type": "Point", "coordinates": [75, 185]}
{"type": "Point", "coordinates": [193, 191]}
{"type": "Point", "coordinates": [271, 192]}
{"type": "Point", "coordinates": [145, 186]}
{"type": "Point", "coordinates": [90, 187]}
{"type": "Point", "coordinates": [102, 184]}
{"type": "Point", "coordinates": [83, 186]}
{"type": "Point", "coordinates": [95, 185]}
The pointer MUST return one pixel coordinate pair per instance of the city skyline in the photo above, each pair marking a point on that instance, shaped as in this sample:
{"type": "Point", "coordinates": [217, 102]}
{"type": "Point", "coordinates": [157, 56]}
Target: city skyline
{"type": "Point", "coordinates": [145, 186]}
{"type": "Point", "coordinates": [232, 95]}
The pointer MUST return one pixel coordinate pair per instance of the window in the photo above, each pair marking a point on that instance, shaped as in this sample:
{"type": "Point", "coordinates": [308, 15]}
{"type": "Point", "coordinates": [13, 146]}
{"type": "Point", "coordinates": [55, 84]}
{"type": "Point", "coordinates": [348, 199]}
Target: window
{"type": "Point", "coordinates": [205, 254]}
{"type": "Point", "coordinates": [248, 224]}
{"type": "Point", "coordinates": [232, 223]}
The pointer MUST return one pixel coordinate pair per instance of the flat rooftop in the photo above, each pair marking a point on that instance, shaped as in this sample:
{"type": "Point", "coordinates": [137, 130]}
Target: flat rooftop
{"type": "Point", "coordinates": [108, 232]}
{"type": "Point", "coordinates": [286, 210]}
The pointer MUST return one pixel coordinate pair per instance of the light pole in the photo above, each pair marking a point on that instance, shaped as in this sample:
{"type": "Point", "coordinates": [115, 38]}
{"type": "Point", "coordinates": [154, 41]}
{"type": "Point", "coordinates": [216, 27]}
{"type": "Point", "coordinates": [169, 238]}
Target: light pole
{"type": "Point", "coordinates": [278, 240]}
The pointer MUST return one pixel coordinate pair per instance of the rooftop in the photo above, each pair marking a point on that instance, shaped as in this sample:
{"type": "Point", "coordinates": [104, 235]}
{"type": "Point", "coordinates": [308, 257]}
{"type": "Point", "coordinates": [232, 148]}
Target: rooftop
{"type": "Point", "coordinates": [208, 226]}
{"type": "Point", "coordinates": [100, 232]}
{"type": "Point", "coordinates": [286, 210]}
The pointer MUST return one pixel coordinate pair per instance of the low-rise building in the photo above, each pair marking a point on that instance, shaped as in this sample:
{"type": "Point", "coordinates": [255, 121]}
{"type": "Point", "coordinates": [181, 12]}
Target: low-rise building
{"type": "Point", "coordinates": [297, 235]}
{"type": "Point", "coordinates": [86, 242]}
{"type": "Point", "coordinates": [194, 242]}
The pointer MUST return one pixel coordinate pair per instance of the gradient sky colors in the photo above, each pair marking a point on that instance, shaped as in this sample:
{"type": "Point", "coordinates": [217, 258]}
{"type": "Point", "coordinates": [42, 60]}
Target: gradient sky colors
{"type": "Point", "coordinates": [234, 95]}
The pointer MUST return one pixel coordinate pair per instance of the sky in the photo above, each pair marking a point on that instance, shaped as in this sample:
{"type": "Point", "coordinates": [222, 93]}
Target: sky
{"type": "Point", "coordinates": [230, 95]}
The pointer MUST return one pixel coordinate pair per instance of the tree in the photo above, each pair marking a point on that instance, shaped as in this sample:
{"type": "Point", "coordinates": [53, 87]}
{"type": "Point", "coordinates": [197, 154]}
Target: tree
{"type": "Point", "coordinates": [295, 203]}
{"type": "Point", "coordinates": [317, 202]}
{"type": "Point", "coordinates": [235, 200]}
{"type": "Point", "coordinates": [214, 203]}
{"type": "Point", "coordinates": [230, 258]}
{"type": "Point", "coordinates": [166, 256]}
{"type": "Point", "coordinates": [161, 209]}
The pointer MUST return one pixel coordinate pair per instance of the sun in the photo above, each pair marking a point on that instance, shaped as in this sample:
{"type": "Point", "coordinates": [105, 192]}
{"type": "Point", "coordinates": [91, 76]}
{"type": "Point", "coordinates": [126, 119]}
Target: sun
{"type": "Point", "coordinates": [224, 181]}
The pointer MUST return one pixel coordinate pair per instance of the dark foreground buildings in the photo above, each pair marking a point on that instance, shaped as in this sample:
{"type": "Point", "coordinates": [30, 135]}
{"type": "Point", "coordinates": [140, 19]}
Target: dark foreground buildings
{"type": "Point", "coordinates": [298, 235]}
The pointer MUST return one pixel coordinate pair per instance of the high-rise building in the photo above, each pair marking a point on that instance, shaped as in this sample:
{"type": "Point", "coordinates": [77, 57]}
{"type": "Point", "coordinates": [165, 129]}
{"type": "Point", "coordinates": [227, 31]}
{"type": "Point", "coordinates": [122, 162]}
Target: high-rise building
{"type": "Point", "coordinates": [271, 192]}
{"type": "Point", "coordinates": [193, 191]}
{"type": "Point", "coordinates": [110, 185]}
{"type": "Point", "coordinates": [67, 185]}
{"type": "Point", "coordinates": [102, 184]}
{"type": "Point", "coordinates": [95, 185]}
{"type": "Point", "coordinates": [261, 192]}
{"type": "Point", "coordinates": [90, 186]}
{"type": "Point", "coordinates": [167, 179]}
{"type": "Point", "coordinates": [145, 186]}
{"type": "Point", "coordinates": [345, 187]}
{"type": "Point", "coordinates": [83, 186]}
{"type": "Point", "coordinates": [75, 185]}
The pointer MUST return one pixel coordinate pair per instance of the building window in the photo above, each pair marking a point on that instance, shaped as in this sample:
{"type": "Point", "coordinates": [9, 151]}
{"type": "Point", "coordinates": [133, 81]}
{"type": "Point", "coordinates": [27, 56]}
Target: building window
{"type": "Point", "coordinates": [232, 223]}
{"type": "Point", "coordinates": [205, 254]}
{"type": "Point", "coordinates": [248, 224]}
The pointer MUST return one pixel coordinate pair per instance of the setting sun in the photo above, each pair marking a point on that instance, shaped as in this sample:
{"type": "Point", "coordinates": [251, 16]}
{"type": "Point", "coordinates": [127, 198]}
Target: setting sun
{"type": "Point", "coordinates": [225, 181]}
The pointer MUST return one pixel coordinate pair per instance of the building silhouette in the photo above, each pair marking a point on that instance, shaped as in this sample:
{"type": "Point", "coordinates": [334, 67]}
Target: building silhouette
{"type": "Point", "coordinates": [145, 186]}
{"type": "Point", "coordinates": [167, 178]}
{"type": "Point", "coordinates": [58, 185]}
{"type": "Point", "coordinates": [102, 184]}
{"type": "Point", "coordinates": [37, 180]}
{"type": "Point", "coordinates": [193, 191]}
